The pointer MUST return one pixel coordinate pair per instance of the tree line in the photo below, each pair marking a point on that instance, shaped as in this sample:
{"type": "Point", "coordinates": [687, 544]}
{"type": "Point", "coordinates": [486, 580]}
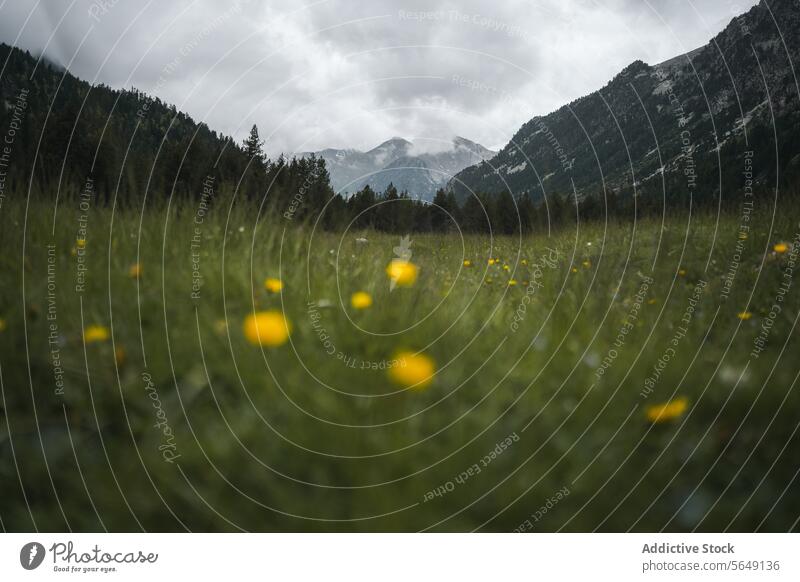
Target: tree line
{"type": "Point", "coordinates": [132, 145]}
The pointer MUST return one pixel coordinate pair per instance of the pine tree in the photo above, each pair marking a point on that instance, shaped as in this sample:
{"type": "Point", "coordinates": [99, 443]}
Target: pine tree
{"type": "Point", "coordinates": [444, 211]}
{"type": "Point", "coordinates": [506, 218]}
{"type": "Point", "coordinates": [254, 146]}
{"type": "Point", "coordinates": [527, 212]}
{"type": "Point", "coordinates": [474, 214]}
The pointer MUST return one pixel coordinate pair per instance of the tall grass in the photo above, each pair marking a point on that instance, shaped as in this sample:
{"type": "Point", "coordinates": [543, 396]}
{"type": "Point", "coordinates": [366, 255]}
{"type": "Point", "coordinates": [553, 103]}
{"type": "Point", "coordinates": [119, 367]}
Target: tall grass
{"type": "Point", "coordinates": [296, 438]}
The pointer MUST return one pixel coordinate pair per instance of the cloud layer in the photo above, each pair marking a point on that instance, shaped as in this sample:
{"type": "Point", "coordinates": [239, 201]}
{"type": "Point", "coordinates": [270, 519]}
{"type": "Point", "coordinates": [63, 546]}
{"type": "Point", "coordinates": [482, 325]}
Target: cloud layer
{"type": "Point", "coordinates": [338, 73]}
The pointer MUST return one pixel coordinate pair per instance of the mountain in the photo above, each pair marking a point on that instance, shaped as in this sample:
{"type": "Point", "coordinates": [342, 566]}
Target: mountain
{"type": "Point", "coordinates": [64, 134]}
{"type": "Point", "coordinates": [69, 131]}
{"type": "Point", "coordinates": [399, 162]}
{"type": "Point", "coordinates": [683, 127]}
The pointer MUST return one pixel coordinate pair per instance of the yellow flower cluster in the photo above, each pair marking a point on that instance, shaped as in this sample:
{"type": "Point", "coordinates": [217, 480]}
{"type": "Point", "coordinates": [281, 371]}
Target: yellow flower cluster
{"type": "Point", "coordinates": [266, 328]}
{"type": "Point", "coordinates": [361, 300]}
{"type": "Point", "coordinates": [402, 273]}
{"type": "Point", "coordinates": [273, 285]}
{"type": "Point", "coordinates": [667, 411]}
{"type": "Point", "coordinates": [96, 333]}
{"type": "Point", "coordinates": [415, 370]}
{"type": "Point", "coordinates": [271, 328]}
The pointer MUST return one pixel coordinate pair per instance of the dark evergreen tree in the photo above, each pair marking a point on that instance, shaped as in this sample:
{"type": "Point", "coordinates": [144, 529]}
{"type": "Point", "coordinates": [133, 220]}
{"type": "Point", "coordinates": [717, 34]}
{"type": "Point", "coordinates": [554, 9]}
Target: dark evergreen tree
{"type": "Point", "coordinates": [504, 216]}
{"type": "Point", "coordinates": [475, 215]}
{"type": "Point", "coordinates": [254, 146]}
{"type": "Point", "coordinates": [527, 212]}
{"type": "Point", "coordinates": [445, 212]}
{"type": "Point", "coordinates": [360, 207]}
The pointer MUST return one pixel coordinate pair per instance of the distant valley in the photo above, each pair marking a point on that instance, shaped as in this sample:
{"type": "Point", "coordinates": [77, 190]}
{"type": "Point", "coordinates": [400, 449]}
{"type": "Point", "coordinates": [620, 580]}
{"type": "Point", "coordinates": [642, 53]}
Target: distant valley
{"type": "Point", "coordinates": [406, 165]}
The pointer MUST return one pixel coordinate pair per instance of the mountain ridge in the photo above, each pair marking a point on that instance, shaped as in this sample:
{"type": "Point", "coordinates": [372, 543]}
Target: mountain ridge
{"type": "Point", "coordinates": [402, 163]}
{"type": "Point", "coordinates": [628, 136]}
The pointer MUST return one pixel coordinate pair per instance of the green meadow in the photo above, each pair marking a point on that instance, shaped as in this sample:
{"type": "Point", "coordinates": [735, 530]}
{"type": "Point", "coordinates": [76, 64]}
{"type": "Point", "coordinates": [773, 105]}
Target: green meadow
{"type": "Point", "coordinates": [601, 376]}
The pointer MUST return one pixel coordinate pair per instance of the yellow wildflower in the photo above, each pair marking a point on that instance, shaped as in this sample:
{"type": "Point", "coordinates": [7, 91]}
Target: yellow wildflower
{"type": "Point", "coordinates": [413, 370]}
{"type": "Point", "coordinates": [95, 333]}
{"type": "Point", "coordinates": [273, 285]}
{"type": "Point", "coordinates": [574, 269]}
{"type": "Point", "coordinates": [402, 273]}
{"type": "Point", "coordinates": [667, 411]}
{"type": "Point", "coordinates": [587, 264]}
{"type": "Point", "coordinates": [744, 315]}
{"type": "Point", "coordinates": [135, 271]}
{"type": "Point", "coordinates": [506, 267]}
{"type": "Point", "coordinates": [467, 263]}
{"type": "Point", "coordinates": [780, 248]}
{"type": "Point", "coordinates": [80, 243]}
{"type": "Point", "coordinates": [266, 328]}
{"type": "Point", "coordinates": [512, 282]}
{"type": "Point", "coordinates": [681, 272]}
{"type": "Point", "coordinates": [361, 300]}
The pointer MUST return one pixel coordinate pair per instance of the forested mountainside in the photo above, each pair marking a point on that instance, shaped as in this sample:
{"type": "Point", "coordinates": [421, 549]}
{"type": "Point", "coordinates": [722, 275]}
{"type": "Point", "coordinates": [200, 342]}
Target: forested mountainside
{"type": "Point", "coordinates": [65, 131]}
{"type": "Point", "coordinates": [682, 127]}
{"type": "Point", "coordinates": [70, 138]}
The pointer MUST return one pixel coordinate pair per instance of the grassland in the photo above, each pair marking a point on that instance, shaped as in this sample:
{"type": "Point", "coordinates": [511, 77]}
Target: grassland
{"type": "Point", "coordinates": [543, 414]}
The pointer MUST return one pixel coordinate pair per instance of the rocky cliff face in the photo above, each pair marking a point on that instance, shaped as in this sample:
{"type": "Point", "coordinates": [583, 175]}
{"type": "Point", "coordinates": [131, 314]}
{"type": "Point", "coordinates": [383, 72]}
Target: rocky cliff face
{"type": "Point", "coordinates": [682, 127]}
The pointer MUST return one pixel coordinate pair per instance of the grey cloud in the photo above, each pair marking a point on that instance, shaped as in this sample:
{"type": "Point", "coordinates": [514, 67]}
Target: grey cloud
{"type": "Point", "coordinates": [318, 75]}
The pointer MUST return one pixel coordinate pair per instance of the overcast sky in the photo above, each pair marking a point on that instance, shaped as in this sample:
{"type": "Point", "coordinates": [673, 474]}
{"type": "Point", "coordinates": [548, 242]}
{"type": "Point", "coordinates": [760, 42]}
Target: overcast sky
{"type": "Point", "coordinates": [335, 73]}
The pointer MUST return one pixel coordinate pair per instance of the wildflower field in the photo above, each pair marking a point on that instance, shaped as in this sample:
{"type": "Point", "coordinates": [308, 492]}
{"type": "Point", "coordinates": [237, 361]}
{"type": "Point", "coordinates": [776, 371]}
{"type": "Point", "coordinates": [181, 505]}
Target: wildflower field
{"type": "Point", "coordinates": [223, 370]}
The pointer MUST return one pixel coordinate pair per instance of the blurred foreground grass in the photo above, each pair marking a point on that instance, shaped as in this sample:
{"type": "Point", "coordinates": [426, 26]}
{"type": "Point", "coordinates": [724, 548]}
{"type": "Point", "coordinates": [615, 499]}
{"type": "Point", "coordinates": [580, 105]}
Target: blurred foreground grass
{"type": "Point", "coordinates": [599, 377]}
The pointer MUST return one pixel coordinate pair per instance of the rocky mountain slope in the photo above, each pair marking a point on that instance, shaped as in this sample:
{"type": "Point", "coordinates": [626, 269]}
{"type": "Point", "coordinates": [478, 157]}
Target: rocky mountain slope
{"type": "Point", "coordinates": [684, 127]}
{"type": "Point", "coordinates": [399, 162]}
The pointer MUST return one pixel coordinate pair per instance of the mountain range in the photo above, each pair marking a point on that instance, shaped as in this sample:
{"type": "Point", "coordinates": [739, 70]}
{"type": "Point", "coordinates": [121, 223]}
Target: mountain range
{"type": "Point", "coordinates": [684, 126]}
{"type": "Point", "coordinates": [402, 163]}
{"type": "Point", "coordinates": [699, 126]}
